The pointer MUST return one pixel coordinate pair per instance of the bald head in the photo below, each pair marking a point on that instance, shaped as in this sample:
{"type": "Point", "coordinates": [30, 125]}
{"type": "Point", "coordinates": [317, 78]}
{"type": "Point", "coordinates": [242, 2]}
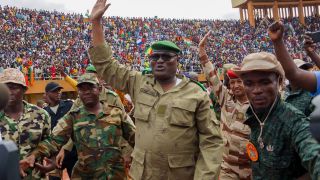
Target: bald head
{"type": "Point", "coordinates": [4, 96]}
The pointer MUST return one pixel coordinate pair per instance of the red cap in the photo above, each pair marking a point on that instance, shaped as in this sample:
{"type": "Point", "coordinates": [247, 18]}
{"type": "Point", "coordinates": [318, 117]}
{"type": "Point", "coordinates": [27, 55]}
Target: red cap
{"type": "Point", "coordinates": [231, 74]}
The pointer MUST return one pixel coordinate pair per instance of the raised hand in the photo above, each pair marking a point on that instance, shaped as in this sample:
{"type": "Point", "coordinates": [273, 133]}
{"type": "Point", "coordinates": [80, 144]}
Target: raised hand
{"type": "Point", "coordinates": [203, 44]}
{"type": "Point", "coordinates": [98, 10]}
{"type": "Point", "coordinates": [276, 31]}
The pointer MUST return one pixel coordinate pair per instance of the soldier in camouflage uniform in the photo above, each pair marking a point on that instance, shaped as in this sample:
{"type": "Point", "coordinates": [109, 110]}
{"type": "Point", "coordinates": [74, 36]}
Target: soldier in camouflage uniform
{"type": "Point", "coordinates": [281, 146]}
{"type": "Point", "coordinates": [95, 129]}
{"type": "Point", "coordinates": [234, 104]}
{"type": "Point", "coordinates": [23, 123]}
{"type": "Point", "coordinates": [178, 136]}
{"type": "Point", "coordinates": [108, 96]}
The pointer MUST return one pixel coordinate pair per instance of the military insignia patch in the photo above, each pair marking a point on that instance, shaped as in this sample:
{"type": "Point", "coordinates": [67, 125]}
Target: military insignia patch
{"type": "Point", "coordinates": [252, 152]}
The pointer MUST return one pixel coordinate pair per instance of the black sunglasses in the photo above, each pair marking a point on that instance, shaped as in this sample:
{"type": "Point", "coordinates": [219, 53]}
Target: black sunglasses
{"type": "Point", "coordinates": [164, 57]}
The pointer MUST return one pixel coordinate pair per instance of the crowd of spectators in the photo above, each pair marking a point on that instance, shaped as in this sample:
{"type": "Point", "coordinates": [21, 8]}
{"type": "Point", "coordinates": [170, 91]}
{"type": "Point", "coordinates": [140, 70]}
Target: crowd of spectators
{"type": "Point", "coordinates": [39, 41]}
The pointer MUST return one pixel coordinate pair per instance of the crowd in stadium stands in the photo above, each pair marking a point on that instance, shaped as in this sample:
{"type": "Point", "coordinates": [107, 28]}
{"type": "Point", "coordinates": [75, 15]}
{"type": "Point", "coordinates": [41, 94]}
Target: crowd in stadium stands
{"type": "Point", "coordinates": [38, 41]}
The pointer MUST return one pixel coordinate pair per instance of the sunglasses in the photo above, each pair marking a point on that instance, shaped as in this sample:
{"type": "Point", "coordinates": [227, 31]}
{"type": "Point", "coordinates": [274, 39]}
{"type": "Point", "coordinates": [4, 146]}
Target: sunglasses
{"type": "Point", "coordinates": [164, 57]}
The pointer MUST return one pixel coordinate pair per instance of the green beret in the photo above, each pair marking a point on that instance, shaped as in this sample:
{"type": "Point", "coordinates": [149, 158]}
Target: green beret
{"type": "Point", "coordinates": [91, 69]}
{"type": "Point", "coordinates": [165, 46]}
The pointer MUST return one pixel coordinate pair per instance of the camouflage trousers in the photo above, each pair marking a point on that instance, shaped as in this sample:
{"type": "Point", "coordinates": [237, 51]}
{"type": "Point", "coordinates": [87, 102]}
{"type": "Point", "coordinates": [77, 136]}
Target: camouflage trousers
{"type": "Point", "coordinates": [114, 172]}
{"type": "Point", "coordinates": [233, 172]}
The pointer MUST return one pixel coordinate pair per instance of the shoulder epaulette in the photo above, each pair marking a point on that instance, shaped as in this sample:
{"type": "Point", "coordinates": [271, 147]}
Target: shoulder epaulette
{"type": "Point", "coordinates": [199, 84]}
{"type": "Point", "coordinates": [112, 92]}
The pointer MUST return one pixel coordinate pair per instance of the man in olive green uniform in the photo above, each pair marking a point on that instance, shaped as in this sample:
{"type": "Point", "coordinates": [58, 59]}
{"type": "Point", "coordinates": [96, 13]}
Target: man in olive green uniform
{"type": "Point", "coordinates": [234, 104]}
{"type": "Point", "coordinates": [178, 136]}
{"type": "Point", "coordinates": [281, 144]}
{"type": "Point", "coordinates": [21, 122]}
{"type": "Point", "coordinates": [95, 128]}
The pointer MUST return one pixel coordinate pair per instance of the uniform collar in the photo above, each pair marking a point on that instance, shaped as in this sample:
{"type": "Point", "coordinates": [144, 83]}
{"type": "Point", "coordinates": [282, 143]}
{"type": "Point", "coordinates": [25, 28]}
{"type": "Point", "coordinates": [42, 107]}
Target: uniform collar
{"type": "Point", "coordinates": [105, 109]}
{"type": "Point", "coordinates": [27, 108]}
{"type": "Point", "coordinates": [176, 88]}
{"type": "Point", "coordinates": [103, 94]}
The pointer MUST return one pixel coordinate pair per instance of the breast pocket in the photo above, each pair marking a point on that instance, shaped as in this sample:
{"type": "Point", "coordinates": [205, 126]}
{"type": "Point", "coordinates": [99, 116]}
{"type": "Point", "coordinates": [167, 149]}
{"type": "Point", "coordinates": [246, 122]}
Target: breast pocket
{"type": "Point", "coordinates": [183, 113]}
{"type": "Point", "coordinates": [84, 133]}
{"type": "Point", "coordinates": [143, 106]}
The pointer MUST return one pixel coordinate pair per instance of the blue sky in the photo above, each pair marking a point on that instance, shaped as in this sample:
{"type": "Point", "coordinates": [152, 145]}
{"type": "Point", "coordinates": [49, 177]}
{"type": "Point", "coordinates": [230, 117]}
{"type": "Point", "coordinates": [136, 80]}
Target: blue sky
{"type": "Point", "coordinates": [200, 9]}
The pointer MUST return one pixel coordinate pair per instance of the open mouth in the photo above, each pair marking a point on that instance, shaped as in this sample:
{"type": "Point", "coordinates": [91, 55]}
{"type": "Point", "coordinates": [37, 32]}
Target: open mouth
{"type": "Point", "coordinates": [159, 68]}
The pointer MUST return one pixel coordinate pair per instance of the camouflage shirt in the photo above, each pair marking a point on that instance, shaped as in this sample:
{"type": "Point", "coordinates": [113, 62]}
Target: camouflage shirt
{"type": "Point", "coordinates": [97, 140]}
{"type": "Point", "coordinates": [235, 133]}
{"type": "Point", "coordinates": [300, 99]}
{"type": "Point", "coordinates": [110, 98]}
{"type": "Point", "coordinates": [32, 127]}
{"type": "Point", "coordinates": [288, 144]}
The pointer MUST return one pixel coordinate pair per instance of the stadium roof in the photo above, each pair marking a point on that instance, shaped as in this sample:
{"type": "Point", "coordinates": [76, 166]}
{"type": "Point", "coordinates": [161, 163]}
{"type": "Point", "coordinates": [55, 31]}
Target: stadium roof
{"type": "Point", "coordinates": [237, 3]}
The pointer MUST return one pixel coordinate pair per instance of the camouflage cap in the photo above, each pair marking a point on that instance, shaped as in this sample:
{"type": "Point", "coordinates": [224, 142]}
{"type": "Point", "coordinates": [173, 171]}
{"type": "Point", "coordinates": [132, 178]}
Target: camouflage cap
{"type": "Point", "coordinates": [262, 61]}
{"type": "Point", "coordinates": [165, 46]}
{"type": "Point", "coordinates": [12, 75]}
{"type": "Point", "coordinates": [91, 69]}
{"type": "Point", "coordinates": [302, 64]}
{"type": "Point", "coordinates": [88, 78]}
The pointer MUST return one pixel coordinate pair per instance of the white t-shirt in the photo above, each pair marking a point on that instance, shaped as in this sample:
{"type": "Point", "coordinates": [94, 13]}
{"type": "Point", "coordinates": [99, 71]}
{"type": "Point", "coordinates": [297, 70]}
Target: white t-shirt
{"type": "Point", "coordinates": [178, 81]}
{"type": "Point", "coordinates": [54, 108]}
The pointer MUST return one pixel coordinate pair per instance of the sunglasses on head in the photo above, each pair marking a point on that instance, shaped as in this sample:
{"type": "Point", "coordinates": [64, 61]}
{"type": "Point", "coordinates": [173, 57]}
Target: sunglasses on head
{"type": "Point", "coordinates": [164, 57]}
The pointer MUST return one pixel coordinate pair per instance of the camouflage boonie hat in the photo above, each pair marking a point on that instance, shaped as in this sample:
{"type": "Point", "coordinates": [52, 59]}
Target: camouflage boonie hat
{"type": "Point", "coordinates": [12, 75]}
{"type": "Point", "coordinates": [88, 78]}
{"type": "Point", "coordinates": [262, 61]}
